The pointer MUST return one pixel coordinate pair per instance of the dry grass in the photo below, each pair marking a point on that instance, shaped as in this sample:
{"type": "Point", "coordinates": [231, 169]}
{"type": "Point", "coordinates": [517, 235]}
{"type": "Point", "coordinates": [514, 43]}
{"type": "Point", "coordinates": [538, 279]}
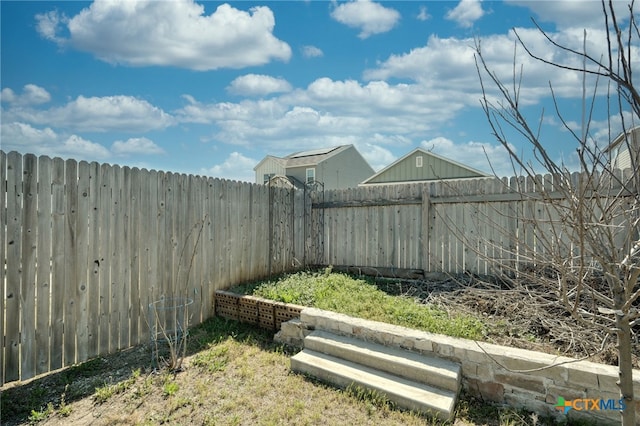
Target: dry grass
{"type": "Point", "coordinates": [234, 375]}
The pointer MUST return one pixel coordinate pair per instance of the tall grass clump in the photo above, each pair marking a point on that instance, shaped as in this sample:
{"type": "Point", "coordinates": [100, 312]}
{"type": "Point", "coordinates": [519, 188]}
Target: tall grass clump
{"type": "Point", "coordinates": [361, 298]}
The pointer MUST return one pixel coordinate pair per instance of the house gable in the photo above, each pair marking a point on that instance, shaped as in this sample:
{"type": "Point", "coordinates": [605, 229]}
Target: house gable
{"type": "Point", "coordinates": [422, 165]}
{"type": "Point", "coordinates": [269, 166]}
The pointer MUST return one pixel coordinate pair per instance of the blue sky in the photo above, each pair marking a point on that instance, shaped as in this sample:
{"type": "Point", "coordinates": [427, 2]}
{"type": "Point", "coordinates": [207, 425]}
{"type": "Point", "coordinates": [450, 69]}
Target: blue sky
{"type": "Point", "coordinates": [210, 88]}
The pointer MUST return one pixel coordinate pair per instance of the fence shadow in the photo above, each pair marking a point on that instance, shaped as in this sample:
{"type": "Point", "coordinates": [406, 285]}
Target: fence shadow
{"type": "Point", "coordinates": [81, 381]}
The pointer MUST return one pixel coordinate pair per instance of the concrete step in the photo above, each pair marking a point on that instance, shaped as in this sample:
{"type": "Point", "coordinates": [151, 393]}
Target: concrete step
{"type": "Point", "coordinates": [405, 393]}
{"type": "Point", "coordinates": [432, 371]}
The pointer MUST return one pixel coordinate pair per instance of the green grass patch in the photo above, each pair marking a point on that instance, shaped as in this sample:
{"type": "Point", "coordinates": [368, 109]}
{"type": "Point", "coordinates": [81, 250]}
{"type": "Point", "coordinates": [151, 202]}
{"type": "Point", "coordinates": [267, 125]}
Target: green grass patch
{"type": "Point", "coordinates": [361, 298]}
{"type": "Point", "coordinates": [213, 359]}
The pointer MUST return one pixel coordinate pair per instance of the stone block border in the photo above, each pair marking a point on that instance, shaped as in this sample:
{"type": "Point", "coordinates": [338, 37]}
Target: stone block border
{"type": "Point", "coordinates": [498, 374]}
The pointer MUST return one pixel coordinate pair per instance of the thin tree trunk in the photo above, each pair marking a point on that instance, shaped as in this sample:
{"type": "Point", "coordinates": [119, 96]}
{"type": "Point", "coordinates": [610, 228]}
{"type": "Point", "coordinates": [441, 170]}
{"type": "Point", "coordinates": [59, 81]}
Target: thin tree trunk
{"type": "Point", "coordinates": [625, 370]}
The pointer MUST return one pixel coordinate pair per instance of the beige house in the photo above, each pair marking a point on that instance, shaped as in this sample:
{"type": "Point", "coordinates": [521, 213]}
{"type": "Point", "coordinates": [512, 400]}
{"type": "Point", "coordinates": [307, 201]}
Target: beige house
{"type": "Point", "coordinates": [421, 165]}
{"type": "Point", "coordinates": [624, 147]}
{"type": "Point", "coordinates": [335, 167]}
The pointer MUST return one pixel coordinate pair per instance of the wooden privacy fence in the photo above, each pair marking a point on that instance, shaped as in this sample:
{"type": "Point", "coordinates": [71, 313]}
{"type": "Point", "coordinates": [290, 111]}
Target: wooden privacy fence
{"type": "Point", "coordinates": [453, 226]}
{"type": "Point", "coordinates": [85, 247]}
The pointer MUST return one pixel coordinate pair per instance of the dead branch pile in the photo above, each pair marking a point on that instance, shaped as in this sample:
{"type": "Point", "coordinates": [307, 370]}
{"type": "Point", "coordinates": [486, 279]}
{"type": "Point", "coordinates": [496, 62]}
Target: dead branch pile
{"type": "Point", "coordinates": [521, 316]}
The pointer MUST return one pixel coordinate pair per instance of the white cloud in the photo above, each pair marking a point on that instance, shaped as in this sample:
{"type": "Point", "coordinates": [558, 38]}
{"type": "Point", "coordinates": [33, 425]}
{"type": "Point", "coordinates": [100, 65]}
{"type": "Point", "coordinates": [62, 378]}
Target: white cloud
{"type": "Point", "coordinates": [377, 156]}
{"type": "Point", "coordinates": [370, 17]}
{"type": "Point", "coordinates": [21, 134]}
{"type": "Point", "coordinates": [350, 97]}
{"type": "Point", "coordinates": [100, 114]}
{"type": "Point", "coordinates": [423, 15]}
{"type": "Point", "coordinates": [246, 110]}
{"type": "Point", "coordinates": [24, 138]}
{"type": "Point", "coordinates": [256, 85]}
{"type": "Point", "coordinates": [327, 113]}
{"type": "Point", "coordinates": [77, 146]}
{"type": "Point", "coordinates": [573, 13]}
{"type": "Point", "coordinates": [141, 146]}
{"type": "Point", "coordinates": [442, 59]}
{"type": "Point", "coordinates": [452, 60]}
{"type": "Point", "coordinates": [466, 13]}
{"type": "Point", "coordinates": [311, 52]}
{"type": "Point", "coordinates": [235, 167]}
{"type": "Point", "coordinates": [7, 95]}
{"type": "Point", "coordinates": [31, 95]}
{"type": "Point", "coordinates": [50, 24]}
{"type": "Point", "coordinates": [170, 33]}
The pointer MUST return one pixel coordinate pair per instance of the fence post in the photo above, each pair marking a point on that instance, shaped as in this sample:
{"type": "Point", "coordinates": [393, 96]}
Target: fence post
{"type": "Point", "coordinates": [425, 233]}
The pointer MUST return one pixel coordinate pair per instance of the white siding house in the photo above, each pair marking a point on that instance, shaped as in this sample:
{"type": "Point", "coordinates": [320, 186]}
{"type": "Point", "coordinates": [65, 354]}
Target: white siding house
{"type": "Point", "coordinates": [336, 167]}
{"type": "Point", "coordinates": [625, 147]}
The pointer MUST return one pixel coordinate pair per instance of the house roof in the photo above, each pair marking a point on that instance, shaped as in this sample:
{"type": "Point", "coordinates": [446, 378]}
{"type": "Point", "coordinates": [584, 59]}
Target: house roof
{"type": "Point", "coordinates": [313, 157]}
{"type": "Point", "coordinates": [279, 160]}
{"type": "Point", "coordinates": [437, 157]}
{"type": "Point", "coordinates": [306, 158]}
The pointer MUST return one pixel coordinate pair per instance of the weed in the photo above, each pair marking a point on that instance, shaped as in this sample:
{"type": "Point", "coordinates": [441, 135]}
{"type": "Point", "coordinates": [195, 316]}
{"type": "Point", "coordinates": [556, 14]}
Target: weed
{"type": "Point", "coordinates": [169, 388]}
{"type": "Point", "coordinates": [213, 359]}
{"type": "Point", "coordinates": [209, 420]}
{"type": "Point", "coordinates": [179, 403]}
{"type": "Point", "coordinates": [63, 409]}
{"type": "Point", "coordinates": [294, 410]}
{"type": "Point", "coordinates": [371, 397]}
{"type": "Point", "coordinates": [145, 388]}
{"type": "Point", "coordinates": [38, 416]}
{"type": "Point", "coordinates": [103, 393]}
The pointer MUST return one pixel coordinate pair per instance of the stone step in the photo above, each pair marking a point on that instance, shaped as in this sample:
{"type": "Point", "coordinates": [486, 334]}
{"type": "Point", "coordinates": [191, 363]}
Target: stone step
{"type": "Point", "coordinates": [406, 394]}
{"type": "Point", "coordinates": [432, 371]}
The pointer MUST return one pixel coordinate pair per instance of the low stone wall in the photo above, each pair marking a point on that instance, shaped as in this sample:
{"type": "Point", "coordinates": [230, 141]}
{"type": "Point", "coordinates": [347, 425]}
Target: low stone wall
{"type": "Point", "coordinates": [499, 374]}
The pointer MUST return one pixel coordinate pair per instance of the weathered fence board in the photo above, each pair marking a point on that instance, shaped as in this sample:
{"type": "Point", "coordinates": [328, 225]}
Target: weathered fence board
{"type": "Point", "coordinates": [82, 266]}
{"type": "Point", "coordinates": [3, 244]}
{"type": "Point", "coordinates": [43, 267]}
{"type": "Point", "coordinates": [135, 250]}
{"type": "Point", "coordinates": [28, 259]}
{"type": "Point", "coordinates": [14, 263]}
{"type": "Point", "coordinates": [104, 262]}
{"type": "Point", "coordinates": [93, 266]}
{"type": "Point", "coordinates": [58, 272]}
{"type": "Point", "coordinates": [70, 262]}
